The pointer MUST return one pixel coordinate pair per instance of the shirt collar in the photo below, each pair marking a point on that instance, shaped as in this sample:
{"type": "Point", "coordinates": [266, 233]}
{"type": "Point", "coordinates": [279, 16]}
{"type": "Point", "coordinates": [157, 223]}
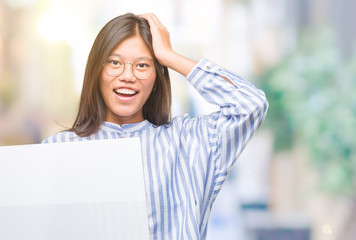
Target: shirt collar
{"type": "Point", "coordinates": [130, 127]}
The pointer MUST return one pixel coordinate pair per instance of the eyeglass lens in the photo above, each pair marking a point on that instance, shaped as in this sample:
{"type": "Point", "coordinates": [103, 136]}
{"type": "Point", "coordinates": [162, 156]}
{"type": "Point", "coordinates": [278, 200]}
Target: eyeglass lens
{"type": "Point", "coordinates": [141, 69]}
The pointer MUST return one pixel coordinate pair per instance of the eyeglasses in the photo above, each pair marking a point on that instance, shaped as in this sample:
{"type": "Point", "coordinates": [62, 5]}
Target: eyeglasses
{"type": "Point", "coordinates": [141, 69]}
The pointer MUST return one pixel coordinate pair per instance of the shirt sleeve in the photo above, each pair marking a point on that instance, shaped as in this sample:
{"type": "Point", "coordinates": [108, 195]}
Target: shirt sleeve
{"type": "Point", "coordinates": [243, 109]}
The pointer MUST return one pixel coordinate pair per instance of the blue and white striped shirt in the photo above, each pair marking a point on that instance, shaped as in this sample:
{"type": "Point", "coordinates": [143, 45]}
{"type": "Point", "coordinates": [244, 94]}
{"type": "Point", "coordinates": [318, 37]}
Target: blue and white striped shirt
{"type": "Point", "coordinates": [186, 162]}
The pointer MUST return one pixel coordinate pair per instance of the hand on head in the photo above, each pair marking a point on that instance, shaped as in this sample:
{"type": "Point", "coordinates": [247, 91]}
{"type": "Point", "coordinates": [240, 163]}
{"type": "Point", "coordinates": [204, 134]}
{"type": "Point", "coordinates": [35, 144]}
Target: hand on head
{"type": "Point", "coordinates": [162, 47]}
{"type": "Point", "coordinates": [160, 39]}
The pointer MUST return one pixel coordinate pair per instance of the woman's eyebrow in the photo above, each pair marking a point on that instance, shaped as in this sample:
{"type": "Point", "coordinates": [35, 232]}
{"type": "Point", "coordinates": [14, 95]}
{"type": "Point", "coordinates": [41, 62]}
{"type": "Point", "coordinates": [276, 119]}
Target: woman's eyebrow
{"type": "Point", "coordinates": [136, 59]}
{"type": "Point", "coordinates": [144, 58]}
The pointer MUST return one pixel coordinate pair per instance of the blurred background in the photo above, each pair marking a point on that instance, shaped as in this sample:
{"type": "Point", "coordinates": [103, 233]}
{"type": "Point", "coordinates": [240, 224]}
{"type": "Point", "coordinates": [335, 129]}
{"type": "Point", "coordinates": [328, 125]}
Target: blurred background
{"type": "Point", "coordinates": [297, 177]}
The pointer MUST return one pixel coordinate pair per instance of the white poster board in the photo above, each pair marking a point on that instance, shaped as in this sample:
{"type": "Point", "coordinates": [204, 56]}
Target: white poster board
{"type": "Point", "coordinates": [70, 191]}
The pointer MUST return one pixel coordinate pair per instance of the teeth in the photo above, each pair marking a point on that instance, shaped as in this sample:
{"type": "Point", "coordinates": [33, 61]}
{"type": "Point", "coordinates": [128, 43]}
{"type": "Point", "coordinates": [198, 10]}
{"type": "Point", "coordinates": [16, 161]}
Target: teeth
{"type": "Point", "coordinates": [125, 91]}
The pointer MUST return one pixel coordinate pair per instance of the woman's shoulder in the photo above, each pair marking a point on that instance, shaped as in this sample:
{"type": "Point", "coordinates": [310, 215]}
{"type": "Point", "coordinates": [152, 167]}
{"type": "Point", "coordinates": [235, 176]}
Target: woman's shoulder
{"type": "Point", "coordinates": [177, 121]}
{"type": "Point", "coordinates": [186, 121]}
{"type": "Point", "coordinates": [65, 136]}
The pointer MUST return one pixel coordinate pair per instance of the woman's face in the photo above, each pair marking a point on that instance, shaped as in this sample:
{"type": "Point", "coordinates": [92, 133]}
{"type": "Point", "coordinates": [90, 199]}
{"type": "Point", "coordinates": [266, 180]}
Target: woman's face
{"type": "Point", "coordinates": [125, 95]}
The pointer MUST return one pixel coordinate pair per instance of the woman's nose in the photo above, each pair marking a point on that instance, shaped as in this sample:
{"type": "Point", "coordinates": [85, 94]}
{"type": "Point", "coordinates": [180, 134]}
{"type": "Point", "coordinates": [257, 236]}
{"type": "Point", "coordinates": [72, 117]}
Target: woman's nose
{"type": "Point", "coordinates": [127, 74]}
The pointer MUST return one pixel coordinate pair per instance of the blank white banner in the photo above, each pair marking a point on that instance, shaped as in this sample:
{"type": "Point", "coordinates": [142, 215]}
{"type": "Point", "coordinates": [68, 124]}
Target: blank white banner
{"type": "Point", "coordinates": [81, 190]}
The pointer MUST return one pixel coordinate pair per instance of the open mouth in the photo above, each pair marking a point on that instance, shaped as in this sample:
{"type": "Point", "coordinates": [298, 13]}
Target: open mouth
{"type": "Point", "coordinates": [125, 92]}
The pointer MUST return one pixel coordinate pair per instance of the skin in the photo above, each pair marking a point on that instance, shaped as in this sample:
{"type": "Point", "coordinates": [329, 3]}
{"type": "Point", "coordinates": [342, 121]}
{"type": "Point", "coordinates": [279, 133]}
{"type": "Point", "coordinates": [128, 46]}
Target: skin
{"type": "Point", "coordinates": [123, 110]}
{"type": "Point", "coordinates": [163, 49]}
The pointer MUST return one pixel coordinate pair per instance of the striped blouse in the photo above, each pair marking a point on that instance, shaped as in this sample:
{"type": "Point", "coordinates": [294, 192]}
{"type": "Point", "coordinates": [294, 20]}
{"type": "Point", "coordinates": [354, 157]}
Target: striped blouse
{"type": "Point", "coordinates": [186, 161]}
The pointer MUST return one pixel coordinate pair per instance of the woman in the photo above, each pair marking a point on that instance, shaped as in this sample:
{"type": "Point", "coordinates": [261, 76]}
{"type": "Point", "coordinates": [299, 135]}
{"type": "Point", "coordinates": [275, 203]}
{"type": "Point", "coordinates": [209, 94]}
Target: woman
{"type": "Point", "coordinates": [126, 93]}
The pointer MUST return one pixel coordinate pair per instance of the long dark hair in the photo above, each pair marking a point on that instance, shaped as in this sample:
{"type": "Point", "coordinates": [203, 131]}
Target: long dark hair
{"type": "Point", "coordinates": [92, 109]}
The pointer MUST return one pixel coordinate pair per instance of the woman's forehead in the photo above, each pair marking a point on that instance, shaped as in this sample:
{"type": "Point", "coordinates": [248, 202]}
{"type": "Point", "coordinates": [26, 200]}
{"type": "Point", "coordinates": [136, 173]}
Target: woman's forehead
{"type": "Point", "coordinates": [132, 48]}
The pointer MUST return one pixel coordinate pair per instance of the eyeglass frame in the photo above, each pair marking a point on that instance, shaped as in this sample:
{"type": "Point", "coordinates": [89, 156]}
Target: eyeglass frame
{"type": "Point", "coordinates": [132, 69]}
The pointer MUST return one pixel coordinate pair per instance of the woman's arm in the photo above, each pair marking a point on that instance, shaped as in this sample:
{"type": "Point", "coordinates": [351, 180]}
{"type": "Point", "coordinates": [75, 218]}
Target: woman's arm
{"type": "Point", "coordinates": [163, 49]}
{"type": "Point", "coordinates": [242, 106]}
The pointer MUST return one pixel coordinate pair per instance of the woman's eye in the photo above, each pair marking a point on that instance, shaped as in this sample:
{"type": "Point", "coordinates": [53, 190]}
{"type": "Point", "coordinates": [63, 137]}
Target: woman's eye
{"type": "Point", "coordinates": [142, 65]}
{"type": "Point", "coordinates": [114, 62]}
